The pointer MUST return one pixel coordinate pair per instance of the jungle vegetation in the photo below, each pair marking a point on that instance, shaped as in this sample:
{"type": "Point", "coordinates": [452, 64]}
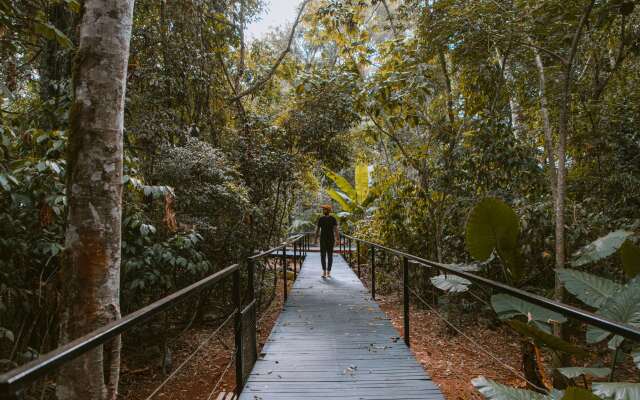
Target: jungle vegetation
{"type": "Point", "coordinates": [502, 136]}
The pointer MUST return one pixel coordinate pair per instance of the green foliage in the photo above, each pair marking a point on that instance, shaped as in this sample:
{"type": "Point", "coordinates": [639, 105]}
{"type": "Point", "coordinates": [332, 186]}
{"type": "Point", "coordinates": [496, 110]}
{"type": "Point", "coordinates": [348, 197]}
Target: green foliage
{"type": "Point", "coordinates": [543, 338]}
{"type": "Point", "coordinates": [623, 307]}
{"type": "Point", "coordinates": [575, 372]}
{"type": "Point", "coordinates": [617, 390]}
{"type": "Point", "coordinates": [590, 289]}
{"type": "Point", "coordinates": [48, 31]}
{"type": "Point", "coordinates": [352, 200]}
{"type": "Point", "coordinates": [508, 307]}
{"type": "Point", "coordinates": [340, 198]}
{"type": "Point", "coordinates": [575, 393]}
{"type": "Point", "coordinates": [493, 226]}
{"type": "Point", "coordinates": [495, 391]}
{"type": "Point", "coordinates": [362, 182]}
{"type": "Point", "coordinates": [600, 248]}
{"type": "Point", "coordinates": [300, 226]}
{"type": "Point", "coordinates": [451, 283]}
{"type": "Point", "coordinates": [630, 255]}
{"type": "Point", "coordinates": [342, 184]}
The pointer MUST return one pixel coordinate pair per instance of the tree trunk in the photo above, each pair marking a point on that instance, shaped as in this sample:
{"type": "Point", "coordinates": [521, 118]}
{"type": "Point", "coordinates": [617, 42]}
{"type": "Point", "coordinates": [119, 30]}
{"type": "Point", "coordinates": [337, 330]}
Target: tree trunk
{"type": "Point", "coordinates": [546, 123]}
{"type": "Point", "coordinates": [514, 104]}
{"type": "Point", "coordinates": [561, 155]}
{"type": "Point", "coordinates": [91, 274]}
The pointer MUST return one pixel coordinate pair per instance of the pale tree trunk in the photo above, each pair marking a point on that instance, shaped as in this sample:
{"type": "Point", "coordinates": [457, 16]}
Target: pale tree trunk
{"type": "Point", "coordinates": [546, 123]}
{"type": "Point", "coordinates": [91, 274]}
{"type": "Point", "coordinates": [514, 105]}
{"type": "Point", "coordinates": [554, 181]}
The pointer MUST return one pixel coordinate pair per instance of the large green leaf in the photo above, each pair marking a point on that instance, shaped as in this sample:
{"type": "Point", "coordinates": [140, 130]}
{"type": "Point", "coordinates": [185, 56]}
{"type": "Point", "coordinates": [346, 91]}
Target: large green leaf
{"type": "Point", "coordinates": [342, 184]}
{"type": "Point", "coordinates": [630, 254]}
{"type": "Point", "coordinates": [576, 393]}
{"type": "Point", "coordinates": [617, 390]}
{"type": "Point", "coordinates": [451, 283]}
{"type": "Point", "coordinates": [493, 225]}
{"type": "Point", "coordinates": [362, 182]}
{"type": "Point", "coordinates": [507, 307]}
{"type": "Point", "coordinates": [600, 248]}
{"type": "Point", "coordinates": [623, 307]}
{"type": "Point", "coordinates": [590, 289]}
{"type": "Point", "coordinates": [542, 338]}
{"type": "Point", "coordinates": [574, 372]}
{"type": "Point", "coordinates": [369, 199]}
{"type": "Point", "coordinates": [339, 198]}
{"type": "Point", "coordinates": [494, 391]}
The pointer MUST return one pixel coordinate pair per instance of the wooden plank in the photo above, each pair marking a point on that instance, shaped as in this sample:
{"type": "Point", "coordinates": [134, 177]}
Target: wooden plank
{"type": "Point", "coordinates": [332, 341]}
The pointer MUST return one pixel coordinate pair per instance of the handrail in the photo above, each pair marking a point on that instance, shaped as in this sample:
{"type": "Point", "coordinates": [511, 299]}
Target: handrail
{"type": "Point", "coordinates": [590, 318]}
{"type": "Point", "coordinates": [274, 249]}
{"type": "Point", "coordinates": [13, 381]}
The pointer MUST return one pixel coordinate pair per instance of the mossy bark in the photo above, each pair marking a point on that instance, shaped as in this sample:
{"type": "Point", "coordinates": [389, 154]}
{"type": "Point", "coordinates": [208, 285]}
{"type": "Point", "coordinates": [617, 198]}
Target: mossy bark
{"type": "Point", "coordinates": [90, 279]}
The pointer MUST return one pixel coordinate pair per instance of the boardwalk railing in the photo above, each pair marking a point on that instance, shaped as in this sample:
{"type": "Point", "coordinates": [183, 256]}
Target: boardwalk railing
{"type": "Point", "coordinates": [346, 242]}
{"type": "Point", "coordinates": [14, 382]}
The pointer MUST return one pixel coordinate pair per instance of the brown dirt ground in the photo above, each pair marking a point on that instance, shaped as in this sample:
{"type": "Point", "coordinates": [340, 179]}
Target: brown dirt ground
{"type": "Point", "coordinates": [449, 358]}
{"type": "Point", "coordinates": [198, 378]}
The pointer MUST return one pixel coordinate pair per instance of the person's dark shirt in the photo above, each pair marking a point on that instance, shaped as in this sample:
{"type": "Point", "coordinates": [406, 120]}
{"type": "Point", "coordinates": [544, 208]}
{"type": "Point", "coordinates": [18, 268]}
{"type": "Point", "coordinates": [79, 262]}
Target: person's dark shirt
{"type": "Point", "coordinates": [326, 223]}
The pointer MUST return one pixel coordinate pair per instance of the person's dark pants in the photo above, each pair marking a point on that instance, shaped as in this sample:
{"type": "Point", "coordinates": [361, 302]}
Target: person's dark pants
{"type": "Point", "coordinates": [326, 250]}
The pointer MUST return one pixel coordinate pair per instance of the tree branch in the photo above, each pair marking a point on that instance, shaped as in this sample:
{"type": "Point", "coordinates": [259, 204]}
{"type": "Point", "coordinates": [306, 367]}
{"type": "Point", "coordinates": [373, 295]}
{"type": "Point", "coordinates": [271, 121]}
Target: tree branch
{"type": "Point", "coordinates": [262, 81]}
{"type": "Point", "coordinates": [553, 54]}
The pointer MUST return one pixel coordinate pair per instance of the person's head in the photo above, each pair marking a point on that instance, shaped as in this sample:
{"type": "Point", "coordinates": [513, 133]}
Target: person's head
{"type": "Point", "coordinates": [326, 209]}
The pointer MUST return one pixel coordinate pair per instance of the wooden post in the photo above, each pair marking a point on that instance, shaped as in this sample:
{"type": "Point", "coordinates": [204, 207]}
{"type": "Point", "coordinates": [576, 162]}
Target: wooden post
{"type": "Point", "coordinates": [373, 272]}
{"type": "Point", "coordinates": [406, 299]}
{"type": "Point", "coordinates": [237, 302]}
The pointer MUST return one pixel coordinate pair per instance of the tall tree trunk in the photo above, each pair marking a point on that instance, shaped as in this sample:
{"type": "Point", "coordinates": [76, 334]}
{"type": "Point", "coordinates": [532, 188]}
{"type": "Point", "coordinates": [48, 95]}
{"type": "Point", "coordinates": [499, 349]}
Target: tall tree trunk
{"type": "Point", "coordinates": [91, 274]}
{"type": "Point", "coordinates": [546, 123]}
{"type": "Point", "coordinates": [514, 104]}
{"type": "Point", "coordinates": [561, 154]}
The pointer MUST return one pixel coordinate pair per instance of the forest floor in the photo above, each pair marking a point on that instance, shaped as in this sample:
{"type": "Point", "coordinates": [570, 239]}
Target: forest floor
{"type": "Point", "coordinates": [452, 360]}
{"type": "Point", "coordinates": [206, 375]}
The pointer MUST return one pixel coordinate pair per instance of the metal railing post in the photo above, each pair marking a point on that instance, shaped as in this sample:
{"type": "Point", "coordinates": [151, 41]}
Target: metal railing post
{"type": "Point", "coordinates": [373, 272]}
{"type": "Point", "coordinates": [358, 257]}
{"type": "Point", "coordinates": [284, 270]}
{"type": "Point", "coordinates": [350, 260]}
{"type": "Point", "coordinates": [251, 274]}
{"type": "Point", "coordinates": [405, 299]}
{"type": "Point", "coordinates": [237, 302]}
{"type": "Point", "coordinates": [295, 262]}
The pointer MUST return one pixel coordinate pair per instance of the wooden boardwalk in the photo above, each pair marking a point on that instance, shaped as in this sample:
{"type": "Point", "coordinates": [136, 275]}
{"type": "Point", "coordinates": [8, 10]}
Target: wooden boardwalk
{"type": "Point", "coordinates": [333, 342]}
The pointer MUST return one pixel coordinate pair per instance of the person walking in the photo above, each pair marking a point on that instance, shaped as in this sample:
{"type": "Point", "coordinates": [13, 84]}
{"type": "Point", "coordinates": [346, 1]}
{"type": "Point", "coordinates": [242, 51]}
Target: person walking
{"type": "Point", "coordinates": [328, 230]}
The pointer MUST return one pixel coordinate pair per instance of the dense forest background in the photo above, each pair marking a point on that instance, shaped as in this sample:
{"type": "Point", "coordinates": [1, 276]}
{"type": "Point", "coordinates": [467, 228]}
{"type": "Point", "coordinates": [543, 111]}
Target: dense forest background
{"type": "Point", "coordinates": [230, 145]}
